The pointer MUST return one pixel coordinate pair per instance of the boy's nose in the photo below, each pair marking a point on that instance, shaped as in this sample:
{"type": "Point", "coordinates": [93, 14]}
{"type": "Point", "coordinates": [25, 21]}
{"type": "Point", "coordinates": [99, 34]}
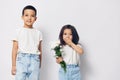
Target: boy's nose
{"type": "Point", "coordinates": [29, 18]}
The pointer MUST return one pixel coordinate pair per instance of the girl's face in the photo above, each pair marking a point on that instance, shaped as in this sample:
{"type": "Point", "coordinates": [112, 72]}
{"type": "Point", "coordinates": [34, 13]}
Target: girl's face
{"type": "Point", "coordinates": [67, 34]}
{"type": "Point", "coordinates": [29, 17]}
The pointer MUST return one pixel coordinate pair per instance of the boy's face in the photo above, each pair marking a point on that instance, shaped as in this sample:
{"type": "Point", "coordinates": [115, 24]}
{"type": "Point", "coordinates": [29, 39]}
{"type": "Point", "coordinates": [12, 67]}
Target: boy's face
{"type": "Point", "coordinates": [29, 17]}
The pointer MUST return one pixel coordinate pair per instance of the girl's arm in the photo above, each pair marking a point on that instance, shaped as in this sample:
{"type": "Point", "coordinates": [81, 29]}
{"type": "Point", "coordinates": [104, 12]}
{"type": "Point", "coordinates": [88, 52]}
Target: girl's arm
{"type": "Point", "coordinates": [59, 59]}
{"type": "Point", "coordinates": [14, 55]}
{"type": "Point", "coordinates": [40, 49]}
{"type": "Point", "coordinates": [74, 46]}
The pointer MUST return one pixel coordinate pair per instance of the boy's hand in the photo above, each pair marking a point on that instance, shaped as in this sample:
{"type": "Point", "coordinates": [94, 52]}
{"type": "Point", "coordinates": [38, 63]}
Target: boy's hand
{"type": "Point", "coordinates": [13, 71]}
{"type": "Point", "coordinates": [59, 59]}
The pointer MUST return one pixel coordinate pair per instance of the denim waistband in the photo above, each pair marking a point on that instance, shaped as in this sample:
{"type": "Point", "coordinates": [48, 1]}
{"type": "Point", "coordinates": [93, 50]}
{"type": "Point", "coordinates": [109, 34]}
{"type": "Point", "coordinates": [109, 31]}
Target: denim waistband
{"type": "Point", "coordinates": [27, 54]}
{"type": "Point", "coordinates": [72, 65]}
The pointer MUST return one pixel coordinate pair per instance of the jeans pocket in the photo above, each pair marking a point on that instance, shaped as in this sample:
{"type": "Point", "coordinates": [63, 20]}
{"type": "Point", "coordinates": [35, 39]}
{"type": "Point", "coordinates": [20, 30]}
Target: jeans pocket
{"type": "Point", "coordinates": [19, 57]}
{"type": "Point", "coordinates": [76, 70]}
{"type": "Point", "coordinates": [36, 58]}
{"type": "Point", "coordinates": [61, 70]}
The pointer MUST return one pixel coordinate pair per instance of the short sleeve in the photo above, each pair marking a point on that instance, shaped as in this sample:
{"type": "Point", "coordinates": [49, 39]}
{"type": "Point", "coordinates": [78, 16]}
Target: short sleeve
{"type": "Point", "coordinates": [40, 36]}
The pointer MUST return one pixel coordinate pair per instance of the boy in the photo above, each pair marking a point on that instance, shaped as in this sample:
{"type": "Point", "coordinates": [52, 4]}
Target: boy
{"type": "Point", "coordinates": [26, 51]}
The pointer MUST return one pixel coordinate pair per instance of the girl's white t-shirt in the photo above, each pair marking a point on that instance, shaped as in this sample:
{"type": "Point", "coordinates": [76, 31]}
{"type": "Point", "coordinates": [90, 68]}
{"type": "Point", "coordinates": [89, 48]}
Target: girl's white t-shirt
{"type": "Point", "coordinates": [28, 40]}
{"type": "Point", "coordinates": [70, 56]}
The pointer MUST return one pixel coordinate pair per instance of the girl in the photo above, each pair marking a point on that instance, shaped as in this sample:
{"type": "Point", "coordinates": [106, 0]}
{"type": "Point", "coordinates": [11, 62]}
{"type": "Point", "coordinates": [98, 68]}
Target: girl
{"type": "Point", "coordinates": [71, 53]}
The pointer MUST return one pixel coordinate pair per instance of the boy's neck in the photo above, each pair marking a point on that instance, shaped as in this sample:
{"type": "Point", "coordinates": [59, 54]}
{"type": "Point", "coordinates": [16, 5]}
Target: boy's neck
{"type": "Point", "coordinates": [28, 26]}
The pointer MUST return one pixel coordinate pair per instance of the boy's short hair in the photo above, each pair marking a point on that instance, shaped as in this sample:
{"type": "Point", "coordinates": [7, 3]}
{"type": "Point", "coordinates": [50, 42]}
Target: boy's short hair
{"type": "Point", "coordinates": [29, 7]}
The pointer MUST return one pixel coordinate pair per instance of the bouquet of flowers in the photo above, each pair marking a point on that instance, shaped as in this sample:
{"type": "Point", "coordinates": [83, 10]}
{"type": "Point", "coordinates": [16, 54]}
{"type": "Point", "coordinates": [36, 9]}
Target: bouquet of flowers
{"type": "Point", "coordinates": [58, 53]}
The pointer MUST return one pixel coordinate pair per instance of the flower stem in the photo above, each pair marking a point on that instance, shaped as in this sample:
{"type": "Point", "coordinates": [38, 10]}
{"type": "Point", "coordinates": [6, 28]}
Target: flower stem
{"type": "Point", "coordinates": [63, 65]}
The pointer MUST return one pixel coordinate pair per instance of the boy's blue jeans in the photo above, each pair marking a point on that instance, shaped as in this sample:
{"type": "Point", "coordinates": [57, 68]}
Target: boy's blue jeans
{"type": "Point", "coordinates": [72, 73]}
{"type": "Point", "coordinates": [27, 66]}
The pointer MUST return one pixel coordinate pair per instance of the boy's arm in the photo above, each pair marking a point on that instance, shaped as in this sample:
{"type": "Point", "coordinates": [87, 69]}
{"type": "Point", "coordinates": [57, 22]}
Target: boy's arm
{"type": "Point", "coordinates": [14, 55]}
{"type": "Point", "coordinates": [40, 49]}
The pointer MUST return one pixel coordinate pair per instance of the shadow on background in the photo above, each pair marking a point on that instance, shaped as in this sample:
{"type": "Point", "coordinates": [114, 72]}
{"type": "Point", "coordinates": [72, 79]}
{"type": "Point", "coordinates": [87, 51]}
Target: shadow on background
{"type": "Point", "coordinates": [85, 67]}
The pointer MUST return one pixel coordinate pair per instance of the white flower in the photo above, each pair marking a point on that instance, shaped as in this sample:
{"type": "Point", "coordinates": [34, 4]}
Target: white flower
{"type": "Point", "coordinates": [54, 44]}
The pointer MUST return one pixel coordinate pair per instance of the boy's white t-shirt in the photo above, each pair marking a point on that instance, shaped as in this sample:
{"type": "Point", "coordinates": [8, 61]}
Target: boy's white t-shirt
{"type": "Point", "coordinates": [28, 40]}
{"type": "Point", "coordinates": [70, 56]}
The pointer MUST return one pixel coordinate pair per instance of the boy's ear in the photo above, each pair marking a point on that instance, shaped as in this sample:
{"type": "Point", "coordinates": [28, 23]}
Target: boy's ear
{"type": "Point", "coordinates": [35, 18]}
{"type": "Point", "coordinates": [22, 17]}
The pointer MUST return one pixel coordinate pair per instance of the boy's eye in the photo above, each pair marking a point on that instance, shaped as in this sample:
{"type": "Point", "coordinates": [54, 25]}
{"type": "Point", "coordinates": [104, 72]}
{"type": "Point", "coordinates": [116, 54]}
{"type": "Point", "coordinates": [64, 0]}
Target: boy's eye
{"type": "Point", "coordinates": [33, 15]}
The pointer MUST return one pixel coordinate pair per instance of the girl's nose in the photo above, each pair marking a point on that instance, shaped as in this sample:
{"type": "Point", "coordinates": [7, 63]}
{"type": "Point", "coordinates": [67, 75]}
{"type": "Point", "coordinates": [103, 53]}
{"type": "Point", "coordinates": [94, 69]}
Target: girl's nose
{"type": "Point", "coordinates": [67, 36]}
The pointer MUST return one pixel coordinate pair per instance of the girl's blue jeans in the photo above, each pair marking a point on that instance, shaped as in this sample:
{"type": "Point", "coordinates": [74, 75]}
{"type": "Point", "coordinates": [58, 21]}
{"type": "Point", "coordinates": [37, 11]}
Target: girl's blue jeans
{"type": "Point", "coordinates": [72, 73]}
{"type": "Point", "coordinates": [27, 66]}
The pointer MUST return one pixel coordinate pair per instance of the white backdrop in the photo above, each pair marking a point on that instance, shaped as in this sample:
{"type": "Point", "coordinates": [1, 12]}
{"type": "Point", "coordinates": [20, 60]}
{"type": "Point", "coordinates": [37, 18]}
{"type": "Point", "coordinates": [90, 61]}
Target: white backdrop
{"type": "Point", "coordinates": [97, 22]}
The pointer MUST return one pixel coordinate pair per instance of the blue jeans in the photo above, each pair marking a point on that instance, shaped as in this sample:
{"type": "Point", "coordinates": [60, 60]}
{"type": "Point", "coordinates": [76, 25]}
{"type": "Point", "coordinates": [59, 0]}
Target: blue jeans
{"type": "Point", "coordinates": [27, 66]}
{"type": "Point", "coordinates": [72, 73]}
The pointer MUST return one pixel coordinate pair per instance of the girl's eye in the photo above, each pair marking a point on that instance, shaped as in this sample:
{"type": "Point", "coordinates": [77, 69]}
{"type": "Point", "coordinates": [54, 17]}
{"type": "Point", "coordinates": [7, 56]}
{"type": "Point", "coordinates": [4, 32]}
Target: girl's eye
{"type": "Point", "coordinates": [67, 34]}
{"type": "Point", "coordinates": [64, 34]}
{"type": "Point", "coordinates": [26, 15]}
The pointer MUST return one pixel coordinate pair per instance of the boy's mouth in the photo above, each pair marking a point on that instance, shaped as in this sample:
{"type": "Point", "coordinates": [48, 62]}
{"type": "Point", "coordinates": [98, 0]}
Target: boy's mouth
{"type": "Point", "coordinates": [29, 21]}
